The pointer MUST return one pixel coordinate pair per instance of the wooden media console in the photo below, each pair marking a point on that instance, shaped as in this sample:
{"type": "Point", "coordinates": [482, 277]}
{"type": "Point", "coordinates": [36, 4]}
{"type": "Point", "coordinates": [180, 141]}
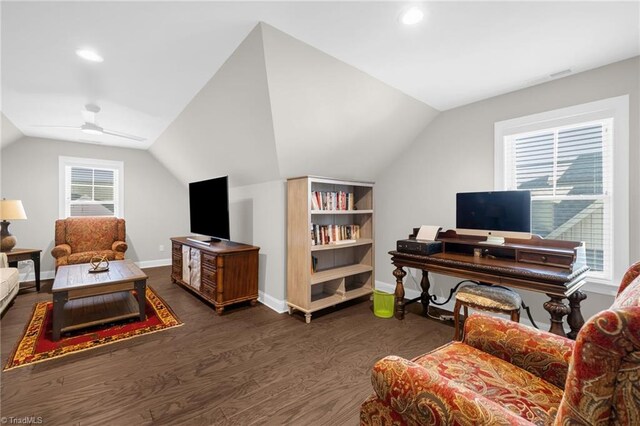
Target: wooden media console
{"type": "Point", "coordinates": [221, 273]}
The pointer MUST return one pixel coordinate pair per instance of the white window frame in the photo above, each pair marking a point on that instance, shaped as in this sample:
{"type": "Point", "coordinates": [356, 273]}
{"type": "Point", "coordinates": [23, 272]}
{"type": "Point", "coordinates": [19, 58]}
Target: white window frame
{"type": "Point", "coordinates": [616, 108]}
{"type": "Point", "coordinates": [64, 162]}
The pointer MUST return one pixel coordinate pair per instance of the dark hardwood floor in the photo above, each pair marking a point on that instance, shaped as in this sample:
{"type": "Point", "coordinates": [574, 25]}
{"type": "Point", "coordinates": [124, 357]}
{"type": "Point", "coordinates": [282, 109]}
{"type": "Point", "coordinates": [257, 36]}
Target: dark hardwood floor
{"type": "Point", "coordinates": [249, 366]}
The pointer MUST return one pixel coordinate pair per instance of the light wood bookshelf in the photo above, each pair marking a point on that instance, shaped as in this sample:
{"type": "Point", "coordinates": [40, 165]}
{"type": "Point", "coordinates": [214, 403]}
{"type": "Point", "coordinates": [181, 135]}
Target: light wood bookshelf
{"type": "Point", "coordinates": [345, 271]}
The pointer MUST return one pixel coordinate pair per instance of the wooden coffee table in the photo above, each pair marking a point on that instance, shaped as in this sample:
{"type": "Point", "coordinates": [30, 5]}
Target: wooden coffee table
{"type": "Point", "coordinates": [82, 299]}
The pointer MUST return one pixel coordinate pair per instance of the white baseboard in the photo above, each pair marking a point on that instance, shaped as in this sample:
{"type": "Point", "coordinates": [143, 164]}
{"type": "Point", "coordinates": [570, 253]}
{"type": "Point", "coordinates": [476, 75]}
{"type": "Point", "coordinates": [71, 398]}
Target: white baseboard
{"type": "Point", "coordinates": [153, 263]}
{"type": "Point", "coordinates": [280, 306]}
{"type": "Point", "coordinates": [410, 293]}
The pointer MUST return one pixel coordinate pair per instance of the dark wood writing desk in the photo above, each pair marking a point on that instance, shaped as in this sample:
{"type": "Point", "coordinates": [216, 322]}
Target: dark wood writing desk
{"type": "Point", "coordinates": [553, 267]}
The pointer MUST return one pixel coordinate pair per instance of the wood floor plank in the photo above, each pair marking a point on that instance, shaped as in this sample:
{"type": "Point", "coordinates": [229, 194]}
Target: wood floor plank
{"type": "Point", "coordinates": [249, 366]}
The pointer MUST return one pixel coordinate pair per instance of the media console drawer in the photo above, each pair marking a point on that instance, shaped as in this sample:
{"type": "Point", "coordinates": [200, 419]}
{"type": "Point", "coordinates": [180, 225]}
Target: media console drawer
{"type": "Point", "coordinates": [209, 261]}
{"type": "Point", "coordinates": [208, 291]}
{"type": "Point", "coordinates": [545, 258]}
{"type": "Point", "coordinates": [209, 277]}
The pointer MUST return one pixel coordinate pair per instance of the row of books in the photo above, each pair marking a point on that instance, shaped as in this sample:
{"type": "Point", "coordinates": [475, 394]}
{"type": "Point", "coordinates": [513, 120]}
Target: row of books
{"type": "Point", "coordinates": [332, 200]}
{"type": "Point", "coordinates": [334, 234]}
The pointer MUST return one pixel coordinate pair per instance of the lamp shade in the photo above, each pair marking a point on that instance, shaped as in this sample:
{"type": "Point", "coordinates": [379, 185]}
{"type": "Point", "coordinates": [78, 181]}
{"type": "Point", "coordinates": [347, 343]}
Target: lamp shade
{"type": "Point", "coordinates": [12, 210]}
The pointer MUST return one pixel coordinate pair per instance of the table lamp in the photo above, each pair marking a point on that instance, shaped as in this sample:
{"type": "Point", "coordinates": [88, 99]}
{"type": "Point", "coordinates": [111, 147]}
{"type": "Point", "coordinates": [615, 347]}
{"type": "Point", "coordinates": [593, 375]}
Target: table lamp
{"type": "Point", "coordinates": [9, 210]}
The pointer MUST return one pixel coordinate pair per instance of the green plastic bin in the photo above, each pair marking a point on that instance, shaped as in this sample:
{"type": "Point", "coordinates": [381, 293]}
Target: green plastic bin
{"type": "Point", "coordinates": [383, 304]}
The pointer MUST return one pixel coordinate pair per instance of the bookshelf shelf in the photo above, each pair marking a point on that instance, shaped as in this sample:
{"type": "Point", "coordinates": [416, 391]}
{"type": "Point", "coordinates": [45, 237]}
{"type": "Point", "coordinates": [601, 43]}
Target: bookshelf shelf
{"type": "Point", "coordinates": [343, 253]}
{"type": "Point", "coordinates": [335, 273]}
{"type": "Point", "coordinates": [360, 242]}
{"type": "Point", "coordinates": [326, 300]}
{"type": "Point", "coordinates": [368, 211]}
{"type": "Point", "coordinates": [359, 292]}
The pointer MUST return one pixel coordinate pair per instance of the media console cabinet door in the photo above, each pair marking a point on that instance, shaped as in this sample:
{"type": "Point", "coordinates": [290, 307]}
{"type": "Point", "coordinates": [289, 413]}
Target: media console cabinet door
{"type": "Point", "coordinates": [186, 256]}
{"type": "Point", "coordinates": [194, 263]}
{"type": "Point", "coordinates": [191, 266]}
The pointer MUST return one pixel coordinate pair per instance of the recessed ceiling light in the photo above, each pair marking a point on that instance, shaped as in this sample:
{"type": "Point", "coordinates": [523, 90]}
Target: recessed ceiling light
{"type": "Point", "coordinates": [89, 55]}
{"type": "Point", "coordinates": [412, 16]}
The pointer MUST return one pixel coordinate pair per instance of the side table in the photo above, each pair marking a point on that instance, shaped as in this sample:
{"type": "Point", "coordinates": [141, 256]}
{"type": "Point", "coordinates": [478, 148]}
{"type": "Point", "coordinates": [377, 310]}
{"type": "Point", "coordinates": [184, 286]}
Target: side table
{"type": "Point", "coordinates": [18, 254]}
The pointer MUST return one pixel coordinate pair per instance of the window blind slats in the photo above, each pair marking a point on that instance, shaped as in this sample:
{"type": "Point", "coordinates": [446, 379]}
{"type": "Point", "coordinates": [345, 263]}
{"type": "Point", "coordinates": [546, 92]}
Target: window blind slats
{"type": "Point", "coordinates": [81, 176]}
{"type": "Point", "coordinates": [103, 177]}
{"type": "Point", "coordinates": [92, 209]}
{"type": "Point", "coordinates": [92, 191]}
{"type": "Point", "coordinates": [573, 166]}
{"type": "Point", "coordinates": [81, 192]}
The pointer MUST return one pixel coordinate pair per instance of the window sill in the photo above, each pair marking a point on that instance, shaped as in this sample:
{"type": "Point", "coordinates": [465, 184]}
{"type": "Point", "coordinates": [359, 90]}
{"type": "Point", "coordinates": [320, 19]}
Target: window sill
{"type": "Point", "coordinates": [600, 286]}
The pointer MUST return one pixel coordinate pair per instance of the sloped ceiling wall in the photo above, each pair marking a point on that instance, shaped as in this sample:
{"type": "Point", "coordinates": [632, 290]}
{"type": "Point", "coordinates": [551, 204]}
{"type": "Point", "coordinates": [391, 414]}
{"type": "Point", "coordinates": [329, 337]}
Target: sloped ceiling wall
{"type": "Point", "coordinates": [331, 119]}
{"type": "Point", "coordinates": [226, 129]}
{"type": "Point", "coordinates": [8, 131]}
{"type": "Point", "coordinates": [280, 108]}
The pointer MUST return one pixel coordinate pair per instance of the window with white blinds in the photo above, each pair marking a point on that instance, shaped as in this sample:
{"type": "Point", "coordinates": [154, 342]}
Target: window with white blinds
{"type": "Point", "coordinates": [91, 187]}
{"type": "Point", "coordinates": [575, 162]}
{"type": "Point", "coordinates": [568, 171]}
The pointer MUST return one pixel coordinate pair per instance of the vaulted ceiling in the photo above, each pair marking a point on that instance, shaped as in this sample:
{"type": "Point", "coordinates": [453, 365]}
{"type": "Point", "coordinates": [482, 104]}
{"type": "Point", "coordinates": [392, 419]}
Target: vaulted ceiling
{"type": "Point", "coordinates": [280, 108]}
{"type": "Point", "coordinates": [159, 55]}
{"type": "Point", "coordinates": [376, 81]}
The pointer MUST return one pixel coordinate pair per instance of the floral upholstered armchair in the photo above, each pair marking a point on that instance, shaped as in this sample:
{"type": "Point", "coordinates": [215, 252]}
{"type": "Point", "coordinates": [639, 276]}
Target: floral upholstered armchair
{"type": "Point", "coordinates": [78, 239]}
{"type": "Point", "coordinates": [505, 373]}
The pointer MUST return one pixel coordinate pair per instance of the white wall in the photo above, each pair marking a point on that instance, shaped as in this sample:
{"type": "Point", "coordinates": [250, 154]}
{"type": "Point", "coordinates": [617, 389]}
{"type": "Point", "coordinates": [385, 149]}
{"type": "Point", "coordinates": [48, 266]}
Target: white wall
{"type": "Point", "coordinates": [9, 133]}
{"type": "Point", "coordinates": [258, 216]}
{"type": "Point", "coordinates": [331, 119]}
{"type": "Point", "coordinates": [455, 154]}
{"type": "Point", "coordinates": [155, 202]}
{"type": "Point", "coordinates": [226, 129]}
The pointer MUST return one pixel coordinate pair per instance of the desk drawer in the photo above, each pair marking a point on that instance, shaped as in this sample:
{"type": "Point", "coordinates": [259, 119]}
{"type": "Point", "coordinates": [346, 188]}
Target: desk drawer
{"type": "Point", "coordinates": [545, 258]}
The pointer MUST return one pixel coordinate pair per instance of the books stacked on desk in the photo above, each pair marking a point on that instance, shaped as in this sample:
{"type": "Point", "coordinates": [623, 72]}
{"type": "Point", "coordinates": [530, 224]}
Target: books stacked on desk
{"type": "Point", "coordinates": [334, 234]}
{"type": "Point", "coordinates": [332, 200]}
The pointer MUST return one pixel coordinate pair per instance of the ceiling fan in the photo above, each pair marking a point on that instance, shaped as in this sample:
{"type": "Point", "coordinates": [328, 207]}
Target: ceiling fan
{"type": "Point", "coordinates": [90, 127]}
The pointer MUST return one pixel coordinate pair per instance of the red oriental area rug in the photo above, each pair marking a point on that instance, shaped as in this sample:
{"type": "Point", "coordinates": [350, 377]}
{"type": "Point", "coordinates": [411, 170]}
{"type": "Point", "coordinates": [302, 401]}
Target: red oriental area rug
{"type": "Point", "coordinates": [36, 345]}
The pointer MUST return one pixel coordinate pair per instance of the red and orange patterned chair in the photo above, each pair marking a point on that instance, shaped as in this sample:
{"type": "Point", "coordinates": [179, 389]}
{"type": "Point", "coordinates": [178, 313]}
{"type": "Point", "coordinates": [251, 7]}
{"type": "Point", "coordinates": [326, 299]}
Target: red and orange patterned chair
{"type": "Point", "coordinates": [505, 373]}
{"type": "Point", "coordinates": [78, 239]}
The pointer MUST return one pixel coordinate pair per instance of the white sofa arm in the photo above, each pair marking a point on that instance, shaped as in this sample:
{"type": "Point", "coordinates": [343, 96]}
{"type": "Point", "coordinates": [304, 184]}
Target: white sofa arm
{"type": "Point", "coordinates": [4, 262]}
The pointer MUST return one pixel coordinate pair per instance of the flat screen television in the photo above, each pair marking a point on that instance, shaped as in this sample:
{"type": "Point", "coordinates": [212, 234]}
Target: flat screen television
{"type": "Point", "coordinates": [209, 209]}
{"type": "Point", "coordinates": [495, 214]}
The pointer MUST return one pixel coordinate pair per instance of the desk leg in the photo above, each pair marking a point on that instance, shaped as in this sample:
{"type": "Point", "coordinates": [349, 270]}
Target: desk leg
{"type": "Point", "coordinates": [575, 319]}
{"type": "Point", "coordinates": [557, 309]}
{"type": "Point", "coordinates": [424, 297]}
{"type": "Point", "coordinates": [399, 273]}
{"type": "Point", "coordinates": [35, 257]}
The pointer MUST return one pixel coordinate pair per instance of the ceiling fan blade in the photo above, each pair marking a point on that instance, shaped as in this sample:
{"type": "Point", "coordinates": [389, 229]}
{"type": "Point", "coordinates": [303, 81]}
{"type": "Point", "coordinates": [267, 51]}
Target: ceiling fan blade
{"type": "Point", "coordinates": [56, 127]}
{"type": "Point", "coordinates": [123, 135]}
